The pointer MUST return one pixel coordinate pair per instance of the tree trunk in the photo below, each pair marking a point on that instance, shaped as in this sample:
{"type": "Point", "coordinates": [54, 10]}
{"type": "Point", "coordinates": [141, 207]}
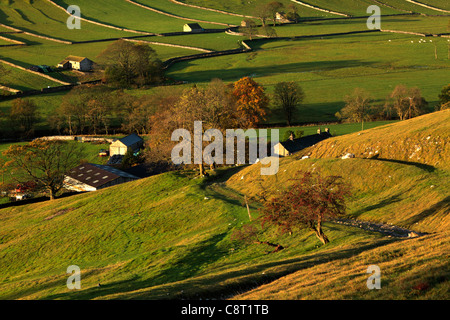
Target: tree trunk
{"type": "Point", "coordinates": [248, 208]}
{"type": "Point", "coordinates": [319, 233]}
{"type": "Point", "coordinates": [52, 194]}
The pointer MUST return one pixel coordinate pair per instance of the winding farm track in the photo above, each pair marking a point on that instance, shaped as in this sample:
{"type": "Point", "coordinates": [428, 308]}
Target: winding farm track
{"type": "Point", "coordinates": [320, 9]}
{"type": "Point", "coordinates": [427, 6]}
{"type": "Point", "coordinates": [175, 16]}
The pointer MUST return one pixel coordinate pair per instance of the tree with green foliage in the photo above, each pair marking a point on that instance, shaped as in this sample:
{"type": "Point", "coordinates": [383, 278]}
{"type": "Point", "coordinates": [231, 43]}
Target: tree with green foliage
{"type": "Point", "coordinates": [273, 8]}
{"type": "Point", "coordinates": [292, 14]}
{"type": "Point", "coordinates": [288, 96]}
{"type": "Point", "coordinates": [128, 64]}
{"type": "Point", "coordinates": [46, 163]}
{"type": "Point", "coordinates": [249, 29]}
{"type": "Point", "coordinates": [289, 134]}
{"type": "Point", "coordinates": [262, 13]}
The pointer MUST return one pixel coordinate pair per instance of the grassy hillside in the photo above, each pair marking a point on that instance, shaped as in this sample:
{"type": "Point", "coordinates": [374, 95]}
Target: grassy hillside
{"type": "Point", "coordinates": [168, 236]}
{"type": "Point", "coordinates": [399, 173]}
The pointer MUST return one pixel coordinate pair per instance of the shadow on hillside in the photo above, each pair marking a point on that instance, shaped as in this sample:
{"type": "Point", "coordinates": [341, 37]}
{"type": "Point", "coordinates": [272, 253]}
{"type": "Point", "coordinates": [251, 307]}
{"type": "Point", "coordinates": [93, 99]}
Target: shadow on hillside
{"type": "Point", "coordinates": [443, 205]}
{"type": "Point", "coordinates": [253, 71]}
{"type": "Point", "coordinates": [202, 254]}
{"type": "Point", "coordinates": [182, 285]}
{"type": "Point", "coordinates": [384, 203]}
{"type": "Point", "coordinates": [419, 165]}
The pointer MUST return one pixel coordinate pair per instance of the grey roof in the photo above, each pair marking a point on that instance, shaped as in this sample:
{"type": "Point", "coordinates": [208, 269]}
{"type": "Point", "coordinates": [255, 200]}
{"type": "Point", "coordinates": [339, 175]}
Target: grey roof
{"type": "Point", "coordinates": [304, 142]}
{"type": "Point", "coordinates": [131, 139]}
{"type": "Point", "coordinates": [96, 175]}
{"type": "Point", "coordinates": [194, 25]}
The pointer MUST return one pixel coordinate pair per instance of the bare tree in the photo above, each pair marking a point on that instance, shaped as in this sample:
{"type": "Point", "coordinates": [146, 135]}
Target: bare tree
{"type": "Point", "coordinates": [23, 115]}
{"type": "Point", "coordinates": [357, 107]}
{"type": "Point", "coordinates": [407, 102]}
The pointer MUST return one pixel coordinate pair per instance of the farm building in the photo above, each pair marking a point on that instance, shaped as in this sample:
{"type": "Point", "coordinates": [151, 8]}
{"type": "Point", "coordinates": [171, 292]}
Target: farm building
{"type": "Point", "coordinates": [192, 27]}
{"type": "Point", "coordinates": [76, 63]}
{"type": "Point", "coordinates": [291, 146]}
{"type": "Point", "coordinates": [130, 143]}
{"type": "Point", "coordinates": [92, 177]}
{"type": "Point", "coordinates": [41, 69]}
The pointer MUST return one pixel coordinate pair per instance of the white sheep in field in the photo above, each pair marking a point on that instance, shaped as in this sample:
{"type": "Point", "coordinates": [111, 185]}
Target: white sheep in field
{"type": "Point", "coordinates": [348, 156]}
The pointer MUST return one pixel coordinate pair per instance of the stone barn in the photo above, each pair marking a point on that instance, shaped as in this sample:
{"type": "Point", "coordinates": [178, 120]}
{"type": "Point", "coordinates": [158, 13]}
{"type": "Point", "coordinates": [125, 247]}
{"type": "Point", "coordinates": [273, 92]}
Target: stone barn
{"type": "Point", "coordinates": [192, 27]}
{"type": "Point", "coordinates": [291, 146]}
{"type": "Point", "coordinates": [76, 63]}
{"type": "Point", "coordinates": [130, 143]}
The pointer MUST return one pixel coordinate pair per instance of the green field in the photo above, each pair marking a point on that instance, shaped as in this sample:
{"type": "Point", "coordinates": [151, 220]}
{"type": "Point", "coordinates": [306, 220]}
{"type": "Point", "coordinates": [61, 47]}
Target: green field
{"type": "Point", "coordinates": [22, 80]}
{"type": "Point", "coordinates": [327, 67]}
{"type": "Point", "coordinates": [352, 7]}
{"type": "Point", "coordinates": [189, 12]}
{"type": "Point", "coordinates": [42, 18]}
{"type": "Point", "coordinates": [330, 68]}
{"type": "Point", "coordinates": [118, 14]}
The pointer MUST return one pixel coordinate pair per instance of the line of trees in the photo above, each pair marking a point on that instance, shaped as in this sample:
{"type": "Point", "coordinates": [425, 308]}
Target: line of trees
{"type": "Point", "coordinates": [402, 103]}
{"type": "Point", "coordinates": [242, 104]}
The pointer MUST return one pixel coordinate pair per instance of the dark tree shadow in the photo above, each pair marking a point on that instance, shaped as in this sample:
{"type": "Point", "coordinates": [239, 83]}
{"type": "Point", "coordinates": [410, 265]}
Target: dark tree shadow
{"type": "Point", "coordinates": [443, 205]}
{"type": "Point", "coordinates": [419, 165]}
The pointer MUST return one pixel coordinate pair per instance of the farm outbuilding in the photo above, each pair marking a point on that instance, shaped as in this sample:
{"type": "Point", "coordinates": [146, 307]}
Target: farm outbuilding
{"type": "Point", "coordinates": [192, 27]}
{"type": "Point", "coordinates": [76, 63]}
{"type": "Point", "coordinates": [92, 177]}
{"type": "Point", "coordinates": [291, 146]}
{"type": "Point", "coordinates": [130, 143]}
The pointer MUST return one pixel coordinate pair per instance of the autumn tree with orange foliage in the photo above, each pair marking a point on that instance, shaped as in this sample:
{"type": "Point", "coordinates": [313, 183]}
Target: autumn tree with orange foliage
{"type": "Point", "coordinates": [251, 102]}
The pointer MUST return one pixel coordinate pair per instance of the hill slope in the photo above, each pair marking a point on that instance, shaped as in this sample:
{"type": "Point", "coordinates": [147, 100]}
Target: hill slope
{"type": "Point", "coordinates": [399, 174]}
{"type": "Point", "coordinates": [168, 236]}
